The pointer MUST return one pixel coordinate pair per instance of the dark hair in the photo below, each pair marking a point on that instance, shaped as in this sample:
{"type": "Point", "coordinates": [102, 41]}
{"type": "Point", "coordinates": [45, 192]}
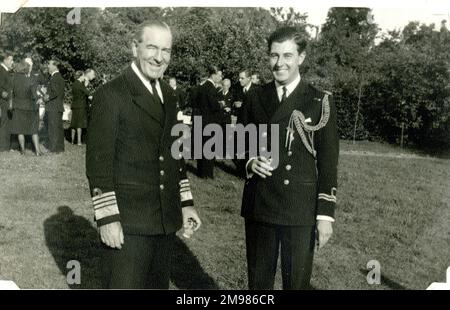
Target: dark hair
{"type": "Point", "coordinates": [22, 67]}
{"type": "Point", "coordinates": [137, 34]}
{"type": "Point", "coordinates": [289, 33]}
{"type": "Point", "coordinates": [212, 70]}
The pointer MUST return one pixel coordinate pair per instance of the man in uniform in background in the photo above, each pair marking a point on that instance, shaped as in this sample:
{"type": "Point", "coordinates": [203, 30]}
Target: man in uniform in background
{"type": "Point", "coordinates": [245, 80]}
{"type": "Point", "coordinates": [290, 206]}
{"type": "Point", "coordinates": [211, 112]}
{"type": "Point", "coordinates": [6, 63]}
{"type": "Point", "coordinates": [54, 108]}
{"type": "Point", "coordinates": [140, 192]}
{"type": "Point", "coordinates": [179, 93]}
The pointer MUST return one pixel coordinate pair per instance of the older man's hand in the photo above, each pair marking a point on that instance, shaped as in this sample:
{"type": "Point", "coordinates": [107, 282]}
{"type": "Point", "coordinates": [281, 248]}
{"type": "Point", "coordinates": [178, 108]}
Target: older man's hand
{"type": "Point", "coordinates": [112, 235]}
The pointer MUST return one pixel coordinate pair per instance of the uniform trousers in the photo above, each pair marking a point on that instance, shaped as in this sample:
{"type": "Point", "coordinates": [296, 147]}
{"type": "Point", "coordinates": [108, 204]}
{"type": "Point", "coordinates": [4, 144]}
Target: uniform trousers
{"type": "Point", "coordinates": [54, 124]}
{"type": "Point", "coordinates": [263, 242]}
{"type": "Point", "coordinates": [142, 263]}
{"type": "Point", "coordinates": [5, 135]}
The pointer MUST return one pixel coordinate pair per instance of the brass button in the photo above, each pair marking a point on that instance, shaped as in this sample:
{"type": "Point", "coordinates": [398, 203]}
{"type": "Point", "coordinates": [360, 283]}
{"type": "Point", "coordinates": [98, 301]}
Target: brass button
{"type": "Point", "coordinates": [286, 182]}
{"type": "Point", "coordinates": [264, 134]}
{"type": "Point", "coordinates": [289, 153]}
{"type": "Point", "coordinates": [161, 158]}
{"type": "Point", "coordinates": [263, 149]}
{"type": "Point", "coordinates": [161, 187]}
{"type": "Point", "coordinates": [161, 172]}
{"type": "Point", "coordinates": [97, 192]}
{"type": "Point", "coordinates": [288, 167]}
{"type": "Point", "coordinates": [181, 169]}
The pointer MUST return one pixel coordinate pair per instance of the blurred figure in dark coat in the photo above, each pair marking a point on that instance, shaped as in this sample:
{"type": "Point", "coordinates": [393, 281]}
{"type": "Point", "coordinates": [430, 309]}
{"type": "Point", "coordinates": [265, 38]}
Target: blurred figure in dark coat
{"type": "Point", "coordinates": [54, 109]}
{"type": "Point", "coordinates": [179, 93]}
{"type": "Point", "coordinates": [80, 105]}
{"type": "Point", "coordinates": [25, 117]}
{"type": "Point", "coordinates": [6, 63]}
{"type": "Point", "coordinates": [211, 112]}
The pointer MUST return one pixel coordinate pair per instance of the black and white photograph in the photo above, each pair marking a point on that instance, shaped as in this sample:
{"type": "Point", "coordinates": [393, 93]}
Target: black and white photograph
{"type": "Point", "coordinates": [175, 145]}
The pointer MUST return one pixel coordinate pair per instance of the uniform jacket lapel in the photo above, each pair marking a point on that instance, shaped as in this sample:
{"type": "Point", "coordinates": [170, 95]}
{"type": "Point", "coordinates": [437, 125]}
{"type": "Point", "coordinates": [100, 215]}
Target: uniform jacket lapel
{"type": "Point", "coordinates": [296, 100]}
{"type": "Point", "coordinates": [143, 98]}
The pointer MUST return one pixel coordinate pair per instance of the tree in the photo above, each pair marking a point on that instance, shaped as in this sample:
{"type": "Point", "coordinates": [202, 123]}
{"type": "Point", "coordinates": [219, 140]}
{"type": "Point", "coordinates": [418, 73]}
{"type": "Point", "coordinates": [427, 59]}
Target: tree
{"type": "Point", "coordinates": [341, 62]}
{"type": "Point", "coordinates": [413, 94]}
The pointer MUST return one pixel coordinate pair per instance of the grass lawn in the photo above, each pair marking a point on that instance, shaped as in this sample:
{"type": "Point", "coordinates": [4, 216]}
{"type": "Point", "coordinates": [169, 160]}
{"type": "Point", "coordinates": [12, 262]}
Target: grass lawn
{"type": "Point", "coordinates": [394, 210]}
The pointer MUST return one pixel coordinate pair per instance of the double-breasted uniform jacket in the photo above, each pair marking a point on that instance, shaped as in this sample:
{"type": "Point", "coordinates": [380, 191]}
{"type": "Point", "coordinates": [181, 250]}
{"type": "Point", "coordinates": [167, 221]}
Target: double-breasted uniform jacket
{"type": "Point", "coordinates": [132, 175]}
{"type": "Point", "coordinates": [305, 181]}
{"type": "Point", "coordinates": [24, 93]}
{"type": "Point", "coordinates": [56, 93]}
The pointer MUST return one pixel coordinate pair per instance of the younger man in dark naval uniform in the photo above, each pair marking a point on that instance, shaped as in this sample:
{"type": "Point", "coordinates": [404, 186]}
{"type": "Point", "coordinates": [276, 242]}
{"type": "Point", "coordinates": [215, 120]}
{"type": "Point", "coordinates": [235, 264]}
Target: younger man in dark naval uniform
{"type": "Point", "coordinates": [292, 205]}
{"type": "Point", "coordinates": [141, 194]}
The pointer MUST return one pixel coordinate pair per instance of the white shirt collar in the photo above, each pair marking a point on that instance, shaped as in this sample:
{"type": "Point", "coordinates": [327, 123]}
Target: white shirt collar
{"type": "Point", "coordinates": [246, 88]}
{"type": "Point", "coordinates": [146, 82]}
{"type": "Point", "coordinates": [4, 66]}
{"type": "Point", "coordinates": [55, 72]}
{"type": "Point", "coordinates": [212, 82]}
{"type": "Point", "coordinates": [289, 88]}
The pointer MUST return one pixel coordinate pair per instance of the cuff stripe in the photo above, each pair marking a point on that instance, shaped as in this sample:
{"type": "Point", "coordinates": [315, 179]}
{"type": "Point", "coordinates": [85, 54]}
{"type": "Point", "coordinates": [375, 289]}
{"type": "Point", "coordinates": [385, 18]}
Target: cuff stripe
{"type": "Point", "coordinates": [186, 196]}
{"type": "Point", "coordinates": [113, 203]}
{"type": "Point", "coordinates": [100, 203]}
{"type": "Point", "coordinates": [327, 197]}
{"type": "Point", "coordinates": [105, 212]}
{"type": "Point", "coordinates": [105, 205]}
{"type": "Point", "coordinates": [104, 195]}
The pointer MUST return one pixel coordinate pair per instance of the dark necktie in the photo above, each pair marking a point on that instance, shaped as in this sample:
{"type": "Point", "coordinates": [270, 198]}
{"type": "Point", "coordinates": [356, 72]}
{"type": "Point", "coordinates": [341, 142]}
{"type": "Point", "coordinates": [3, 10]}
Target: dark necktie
{"type": "Point", "coordinates": [284, 96]}
{"type": "Point", "coordinates": [155, 92]}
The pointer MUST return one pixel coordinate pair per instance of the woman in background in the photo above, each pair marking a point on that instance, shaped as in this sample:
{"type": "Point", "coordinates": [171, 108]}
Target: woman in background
{"type": "Point", "coordinates": [25, 118]}
{"type": "Point", "coordinates": [80, 105]}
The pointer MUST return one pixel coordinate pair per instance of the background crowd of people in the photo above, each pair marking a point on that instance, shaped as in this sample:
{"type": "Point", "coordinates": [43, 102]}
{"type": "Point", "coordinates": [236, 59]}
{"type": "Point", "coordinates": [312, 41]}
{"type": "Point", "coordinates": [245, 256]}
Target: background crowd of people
{"type": "Point", "coordinates": [32, 104]}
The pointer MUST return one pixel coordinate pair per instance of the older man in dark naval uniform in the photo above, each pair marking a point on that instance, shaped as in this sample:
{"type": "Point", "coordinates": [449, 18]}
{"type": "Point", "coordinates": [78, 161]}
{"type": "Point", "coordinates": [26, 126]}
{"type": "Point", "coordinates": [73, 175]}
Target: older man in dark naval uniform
{"type": "Point", "coordinates": [290, 206]}
{"type": "Point", "coordinates": [140, 192]}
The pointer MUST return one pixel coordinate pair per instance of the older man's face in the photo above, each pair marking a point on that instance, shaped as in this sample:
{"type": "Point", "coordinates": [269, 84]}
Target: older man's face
{"type": "Point", "coordinates": [153, 52]}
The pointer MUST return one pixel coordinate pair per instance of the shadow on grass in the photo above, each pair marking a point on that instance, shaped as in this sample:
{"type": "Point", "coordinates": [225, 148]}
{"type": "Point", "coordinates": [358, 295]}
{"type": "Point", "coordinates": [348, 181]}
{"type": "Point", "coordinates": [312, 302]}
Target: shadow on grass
{"type": "Point", "coordinates": [186, 272]}
{"type": "Point", "coordinates": [386, 281]}
{"type": "Point", "coordinates": [190, 168]}
{"type": "Point", "coordinates": [71, 237]}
